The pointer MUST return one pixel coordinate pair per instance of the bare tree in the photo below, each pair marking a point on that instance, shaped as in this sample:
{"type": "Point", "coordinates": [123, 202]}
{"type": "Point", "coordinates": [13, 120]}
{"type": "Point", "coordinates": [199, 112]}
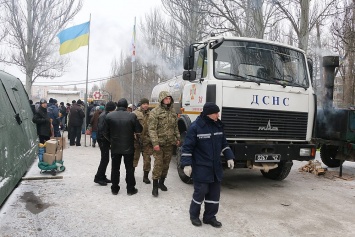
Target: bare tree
{"type": "Point", "coordinates": [303, 16]}
{"type": "Point", "coordinates": [32, 27]}
{"type": "Point", "coordinates": [190, 17]}
{"type": "Point", "coordinates": [245, 18]}
{"type": "Point", "coordinates": [343, 29]}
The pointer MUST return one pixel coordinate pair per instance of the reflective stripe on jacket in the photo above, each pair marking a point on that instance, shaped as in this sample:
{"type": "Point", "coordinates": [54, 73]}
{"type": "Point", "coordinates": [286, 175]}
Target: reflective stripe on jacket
{"type": "Point", "coordinates": [202, 148]}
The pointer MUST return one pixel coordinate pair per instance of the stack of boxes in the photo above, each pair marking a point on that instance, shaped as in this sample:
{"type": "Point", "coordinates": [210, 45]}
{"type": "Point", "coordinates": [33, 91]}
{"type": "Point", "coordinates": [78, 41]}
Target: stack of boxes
{"type": "Point", "coordinates": [54, 150]}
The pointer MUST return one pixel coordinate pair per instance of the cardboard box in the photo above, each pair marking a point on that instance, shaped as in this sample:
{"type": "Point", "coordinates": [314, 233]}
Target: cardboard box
{"type": "Point", "coordinates": [62, 141]}
{"type": "Point", "coordinates": [49, 158]}
{"type": "Point", "coordinates": [51, 146]}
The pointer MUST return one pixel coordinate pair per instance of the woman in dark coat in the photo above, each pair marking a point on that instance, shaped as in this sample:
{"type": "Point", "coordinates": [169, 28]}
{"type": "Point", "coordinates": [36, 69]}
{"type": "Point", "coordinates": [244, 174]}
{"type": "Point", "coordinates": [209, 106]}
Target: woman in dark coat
{"type": "Point", "coordinates": [43, 122]}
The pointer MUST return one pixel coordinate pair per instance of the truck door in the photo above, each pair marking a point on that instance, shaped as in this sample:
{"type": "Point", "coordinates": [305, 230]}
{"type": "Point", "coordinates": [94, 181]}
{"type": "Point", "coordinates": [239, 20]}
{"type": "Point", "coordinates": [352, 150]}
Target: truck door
{"type": "Point", "coordinates": [194, 94]}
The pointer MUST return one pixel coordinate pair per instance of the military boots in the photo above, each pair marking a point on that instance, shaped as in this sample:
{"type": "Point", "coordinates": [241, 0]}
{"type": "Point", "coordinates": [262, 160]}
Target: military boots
{"type": "Point", "coordinates": [145, 177]}
{"type": "Point", "coordinates": [155, 188]}
{"type": "Point", "coordinates": [161, 184]}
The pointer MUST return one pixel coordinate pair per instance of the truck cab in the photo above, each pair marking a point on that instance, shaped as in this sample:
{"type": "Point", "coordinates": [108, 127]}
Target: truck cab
{"type": "Point", "coordinates": [265, 94]}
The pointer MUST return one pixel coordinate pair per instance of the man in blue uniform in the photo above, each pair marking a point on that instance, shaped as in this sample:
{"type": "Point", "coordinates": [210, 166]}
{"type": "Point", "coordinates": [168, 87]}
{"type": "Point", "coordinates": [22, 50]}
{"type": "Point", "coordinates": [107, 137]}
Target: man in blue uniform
{"type": "Point", "coordinates": [201, 154]}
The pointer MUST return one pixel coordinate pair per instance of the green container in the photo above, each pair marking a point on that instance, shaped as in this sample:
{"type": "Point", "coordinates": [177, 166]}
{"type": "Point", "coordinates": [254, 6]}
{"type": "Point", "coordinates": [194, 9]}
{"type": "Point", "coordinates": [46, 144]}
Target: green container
{"type": "Point", "coordinates": [18, 139]}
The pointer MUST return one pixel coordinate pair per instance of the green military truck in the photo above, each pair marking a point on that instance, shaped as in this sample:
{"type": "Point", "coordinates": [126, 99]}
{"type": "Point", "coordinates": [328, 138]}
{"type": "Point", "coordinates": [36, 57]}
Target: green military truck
{"type": "Point", "coordinates": [335, 127]}
{"type": "Point", "coordinates": [18, 139]}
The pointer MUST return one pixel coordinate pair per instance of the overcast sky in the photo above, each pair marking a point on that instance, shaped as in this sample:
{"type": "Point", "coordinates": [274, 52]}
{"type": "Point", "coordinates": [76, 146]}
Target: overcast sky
{"type": "Point", "coordinates": [111, 31]}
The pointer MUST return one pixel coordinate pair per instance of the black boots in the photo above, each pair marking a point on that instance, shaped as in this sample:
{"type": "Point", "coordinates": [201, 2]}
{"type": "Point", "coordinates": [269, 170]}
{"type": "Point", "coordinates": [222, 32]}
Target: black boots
{"type": "Point", "coordinates": [161, 184]}
{"type": "Point", "coordinates": [158, 184]}
{"type": "Point", "coordinates": [145, 177]}
{"type": "Point", "coordinates": [155, 188]}
{"type": "Point", "coordinates": [132, 192]}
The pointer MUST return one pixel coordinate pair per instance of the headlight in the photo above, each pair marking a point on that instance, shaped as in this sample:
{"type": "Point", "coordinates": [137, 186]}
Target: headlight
{"type": "Point", "coordinates": [305, 152]}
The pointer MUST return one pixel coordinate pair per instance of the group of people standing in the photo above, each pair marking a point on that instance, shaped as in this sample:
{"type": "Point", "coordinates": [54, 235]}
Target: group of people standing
{"type": "Point", "coordinates": [50, 118]}
{"type": "Point", "coordinates": [128, 134]}
{"type": "Point", "coordinates": [155, 132]}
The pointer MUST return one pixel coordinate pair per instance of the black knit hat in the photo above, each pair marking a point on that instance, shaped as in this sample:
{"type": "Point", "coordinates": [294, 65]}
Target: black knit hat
{"type": "Point", "coordinates": [210, 108]}
{"type": "Point", "coordinates": [43, 101]}
{"type": "Point", "coordinates": [50, 100]}
{"type": "Point", "coordinates": [122, 103]}
{"type": "Point", "coordinates": [144, 101]}
{"type": "Point", "coordinates": [110, 106]}
{"type": "Point", "coordinates": [79, 102]}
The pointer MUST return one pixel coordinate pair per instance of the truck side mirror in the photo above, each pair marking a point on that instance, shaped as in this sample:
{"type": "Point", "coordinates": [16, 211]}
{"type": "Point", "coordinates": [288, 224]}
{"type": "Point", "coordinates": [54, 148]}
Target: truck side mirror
{"type": "Point", "coordinates": [189, 75]}
{"type": "Point", "coordinates": [189, 57]}
{"type": "Point", "coordinates": [310, 68]}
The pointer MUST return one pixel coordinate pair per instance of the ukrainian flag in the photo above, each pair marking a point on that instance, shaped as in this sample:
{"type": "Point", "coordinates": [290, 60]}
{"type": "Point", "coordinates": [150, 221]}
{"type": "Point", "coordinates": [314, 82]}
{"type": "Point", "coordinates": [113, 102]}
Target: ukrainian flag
{"type": "Point", "coordinates": [74, 37]}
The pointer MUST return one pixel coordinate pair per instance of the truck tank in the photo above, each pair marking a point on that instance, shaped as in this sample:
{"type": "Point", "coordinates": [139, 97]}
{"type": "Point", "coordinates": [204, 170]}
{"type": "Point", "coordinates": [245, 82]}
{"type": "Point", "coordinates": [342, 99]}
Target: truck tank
{"type": "Point", "coordinates": [174, 87]}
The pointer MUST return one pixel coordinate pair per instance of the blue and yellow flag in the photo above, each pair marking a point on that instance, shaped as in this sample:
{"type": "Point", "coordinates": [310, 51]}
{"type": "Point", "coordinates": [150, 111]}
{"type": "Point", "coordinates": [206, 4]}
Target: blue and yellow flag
{"type": "Point", "coordinates": [74, 37]}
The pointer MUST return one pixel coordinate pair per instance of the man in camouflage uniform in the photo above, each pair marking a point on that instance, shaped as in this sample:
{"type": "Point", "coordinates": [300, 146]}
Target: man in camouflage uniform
{"type": "Point", "coordinates": [142, 144]}
{"type": "Point", "coordinates": [164, 134]}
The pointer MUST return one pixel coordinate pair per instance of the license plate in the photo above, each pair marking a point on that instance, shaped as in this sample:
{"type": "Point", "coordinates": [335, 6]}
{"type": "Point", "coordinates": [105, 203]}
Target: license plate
{"type": "Point", "coordinates": [267, 158]}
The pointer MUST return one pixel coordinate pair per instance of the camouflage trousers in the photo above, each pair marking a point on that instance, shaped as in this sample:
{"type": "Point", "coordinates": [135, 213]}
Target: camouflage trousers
{"type": "Point", "coordinates": [147, 151]}
{"type": "Point", "coordinates": [162, 160]}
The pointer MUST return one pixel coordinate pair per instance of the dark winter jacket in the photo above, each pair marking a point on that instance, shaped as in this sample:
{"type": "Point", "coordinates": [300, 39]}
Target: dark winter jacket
{"type": "Point", "coordinates": [33, 108]}
{"type": "Point", "coordinates": [121, 126]}
{"type": "Point", "coordinates": [76, 116]}
{"type": "Point", "coordinates": [42, 121]}
{"type": "Point", "coordinates": [63, 111]}
{"type": "Point", "coordinates": [202, 148]}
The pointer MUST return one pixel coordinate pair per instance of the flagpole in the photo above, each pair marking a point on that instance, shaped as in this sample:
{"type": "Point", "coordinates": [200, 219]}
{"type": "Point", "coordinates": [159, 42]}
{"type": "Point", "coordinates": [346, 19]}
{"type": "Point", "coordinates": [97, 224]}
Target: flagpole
{"type": "Point", "coordinates": [87, 79]}
{"type": "Point", "coordinates": [133, 59]}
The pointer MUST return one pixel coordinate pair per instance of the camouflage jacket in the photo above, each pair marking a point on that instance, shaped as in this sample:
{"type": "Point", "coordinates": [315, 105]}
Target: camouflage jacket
{"type": "Point", "coordinates": [143, 117]}
{"type": "Point", "coordinates": [162, 123]}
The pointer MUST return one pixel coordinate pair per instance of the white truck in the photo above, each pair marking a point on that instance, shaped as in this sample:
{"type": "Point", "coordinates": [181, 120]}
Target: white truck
{"type": "Point", "coordinates": [265, 94]}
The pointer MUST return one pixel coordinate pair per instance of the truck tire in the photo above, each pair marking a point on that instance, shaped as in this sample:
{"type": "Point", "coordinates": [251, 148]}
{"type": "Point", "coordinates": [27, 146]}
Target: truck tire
{"type": "Point", "coordinates": [279, 173]}
{"type": "Point", "coordinates": [184, 178]}
{"type": "Point", "coordinates": [327, 154]}
{"type": "Point", "coordinates": [184, 123]}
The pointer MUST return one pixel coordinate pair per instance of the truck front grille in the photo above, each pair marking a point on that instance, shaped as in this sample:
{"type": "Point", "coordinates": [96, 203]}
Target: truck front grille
{"type": "Point", "coordinates": [264, 124]}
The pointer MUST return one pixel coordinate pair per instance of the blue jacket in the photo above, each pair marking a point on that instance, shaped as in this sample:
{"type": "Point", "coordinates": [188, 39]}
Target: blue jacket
{"type": "Point", "coordinates": [53, 113]}
{"type": "Point", "coordinates": [202, 148]}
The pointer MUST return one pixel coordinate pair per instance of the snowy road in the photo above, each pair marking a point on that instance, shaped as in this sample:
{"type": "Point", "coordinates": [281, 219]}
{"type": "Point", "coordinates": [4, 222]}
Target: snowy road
{"type": "Point", "coordinates": [301, 205]}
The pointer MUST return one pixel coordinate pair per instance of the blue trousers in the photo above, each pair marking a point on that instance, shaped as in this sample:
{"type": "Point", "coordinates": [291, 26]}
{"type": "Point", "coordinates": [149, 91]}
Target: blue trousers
{"type": "Point", "coordinates": [210, 194]}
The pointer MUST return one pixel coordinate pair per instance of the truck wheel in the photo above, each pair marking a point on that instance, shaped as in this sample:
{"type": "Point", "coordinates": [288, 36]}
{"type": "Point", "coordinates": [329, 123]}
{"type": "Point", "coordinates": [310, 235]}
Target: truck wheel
{"type": "Point", "coordinates": [327, 154]}
{"type": "Point", "coordinates": [279, 173]}
{"type": "Point", "coordinates": [184, 178]}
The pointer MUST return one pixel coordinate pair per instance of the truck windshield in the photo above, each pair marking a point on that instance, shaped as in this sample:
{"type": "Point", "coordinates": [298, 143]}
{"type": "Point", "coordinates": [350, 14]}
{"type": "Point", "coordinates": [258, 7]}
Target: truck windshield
{"type": "Point", "coordinates": [260, 63]}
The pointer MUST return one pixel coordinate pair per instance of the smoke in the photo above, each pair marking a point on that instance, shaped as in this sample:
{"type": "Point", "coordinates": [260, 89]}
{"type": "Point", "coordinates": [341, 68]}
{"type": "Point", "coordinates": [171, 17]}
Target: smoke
{"type": "Point", "coordinates": [328, 126]}
{"type": "Point", "coordinates": [167, 67]}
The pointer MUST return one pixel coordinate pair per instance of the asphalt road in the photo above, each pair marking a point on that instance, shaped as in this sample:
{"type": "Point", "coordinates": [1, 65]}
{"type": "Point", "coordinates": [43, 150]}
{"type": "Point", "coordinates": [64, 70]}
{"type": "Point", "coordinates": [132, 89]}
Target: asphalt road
{"type": "Point", "coordinates": [301, 205]}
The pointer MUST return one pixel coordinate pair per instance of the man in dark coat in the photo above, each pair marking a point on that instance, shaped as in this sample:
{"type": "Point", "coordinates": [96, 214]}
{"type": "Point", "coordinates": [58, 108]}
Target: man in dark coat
{"type": "Point", "coordinates": [43, 122]}
{"type": "Point", "coordinates": [121, 126]}
{"type": "Point", "coordinates": [203, 145]}
{"type": "Point", "coordinates": [104, 145]}
{"type": "Point", "coordinates": [76, 119]}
